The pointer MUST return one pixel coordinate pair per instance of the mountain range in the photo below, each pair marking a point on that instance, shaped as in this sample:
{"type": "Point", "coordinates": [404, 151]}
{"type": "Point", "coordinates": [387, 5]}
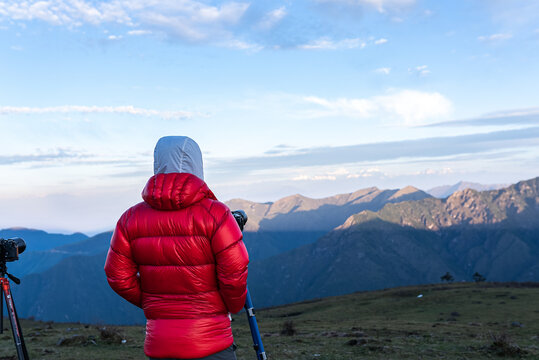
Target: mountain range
{"type": "Point", "coordinates": [304, 248]}
{"type": "Point", "coordinates": [494, 233]}
{"type": "Point", "coordinates": [296, 220]}
{"type": "Point", "coordinates": [38, 240]}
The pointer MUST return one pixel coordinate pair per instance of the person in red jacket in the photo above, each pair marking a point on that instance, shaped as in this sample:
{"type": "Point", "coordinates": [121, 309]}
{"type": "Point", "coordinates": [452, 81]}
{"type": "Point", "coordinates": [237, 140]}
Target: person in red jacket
{"type": "Point", "coordinates": [179, 255]}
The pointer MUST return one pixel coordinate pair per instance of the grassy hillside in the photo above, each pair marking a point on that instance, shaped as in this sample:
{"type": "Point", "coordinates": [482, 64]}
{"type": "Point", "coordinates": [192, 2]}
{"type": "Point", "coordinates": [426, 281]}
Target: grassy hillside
{"type": "Point", "coordinates": [457, 321]}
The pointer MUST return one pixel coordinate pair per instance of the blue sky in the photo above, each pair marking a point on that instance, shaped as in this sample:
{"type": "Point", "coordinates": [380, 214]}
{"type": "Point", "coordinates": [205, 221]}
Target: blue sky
{"type": "Point", "coordinates": [315, 97]}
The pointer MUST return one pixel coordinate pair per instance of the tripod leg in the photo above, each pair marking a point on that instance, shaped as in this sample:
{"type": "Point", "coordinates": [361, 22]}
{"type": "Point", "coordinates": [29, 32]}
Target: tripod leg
{"type": "Point", "coordinates": [22, 353]}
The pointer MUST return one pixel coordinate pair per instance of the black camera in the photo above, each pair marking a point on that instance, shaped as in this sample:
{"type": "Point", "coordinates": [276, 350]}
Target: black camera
{"type": "Point", "coordinates": [241, 218]}
{"type": "Point", "coordinates": [11, 248]}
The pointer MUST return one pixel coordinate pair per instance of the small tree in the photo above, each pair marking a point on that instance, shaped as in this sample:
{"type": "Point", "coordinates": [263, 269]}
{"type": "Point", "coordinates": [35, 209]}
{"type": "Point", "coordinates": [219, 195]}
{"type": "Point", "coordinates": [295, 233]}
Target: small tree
{"type": "Point", "coordinates": [447, 277]}
{"type": "Point", "coordinates": [477, 277]}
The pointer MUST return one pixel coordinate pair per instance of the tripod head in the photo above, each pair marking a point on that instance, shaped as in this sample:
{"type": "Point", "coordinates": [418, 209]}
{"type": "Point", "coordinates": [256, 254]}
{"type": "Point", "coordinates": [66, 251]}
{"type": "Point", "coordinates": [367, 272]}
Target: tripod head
{"type": "Point", "coordinates": [9, 251]}
{"type": "Point", "coordinates": [3, 273]}
{"type": "Point", "coordinates": [241, 218]}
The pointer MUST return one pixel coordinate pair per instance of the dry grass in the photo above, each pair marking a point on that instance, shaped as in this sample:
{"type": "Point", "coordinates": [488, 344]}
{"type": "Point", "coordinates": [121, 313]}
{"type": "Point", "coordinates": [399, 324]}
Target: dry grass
{"type": "Point", "coordinates": [458, 321]}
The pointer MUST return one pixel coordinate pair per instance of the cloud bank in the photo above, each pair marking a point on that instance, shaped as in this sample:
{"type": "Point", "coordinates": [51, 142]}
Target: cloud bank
{"type": "Point", "coordinates": [502, 118]}
{"type": "Point", "coordinates": [410, 106]}
{"type": "Point", "coordinates": [189, 20]}
{"type": "Point", "coordinates": [243, 25]}
{"type": "Point", "coordinates": [432, 148]}
{"type": "Point", "coordinates": [67, 109]}
{"type": "Point", "coordinates": [58, 154]}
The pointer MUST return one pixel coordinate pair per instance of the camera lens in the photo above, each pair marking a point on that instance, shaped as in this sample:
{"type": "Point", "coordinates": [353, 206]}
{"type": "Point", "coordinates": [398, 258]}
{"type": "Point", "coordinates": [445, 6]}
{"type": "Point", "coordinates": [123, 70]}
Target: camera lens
{"type": "Point", "coordinates": [21, 245]}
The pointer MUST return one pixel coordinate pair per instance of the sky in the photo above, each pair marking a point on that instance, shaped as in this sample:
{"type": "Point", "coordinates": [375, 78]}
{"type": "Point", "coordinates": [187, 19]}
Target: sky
{"type": "Point", "coordinates": [316, 97]}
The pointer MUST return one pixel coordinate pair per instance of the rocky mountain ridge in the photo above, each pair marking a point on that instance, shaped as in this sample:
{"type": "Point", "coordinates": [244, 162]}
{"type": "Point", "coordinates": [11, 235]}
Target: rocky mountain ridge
{"type": "Point", "coordinates": [495, 233]}
{"type": "Point", "coordinates": [516, 205]}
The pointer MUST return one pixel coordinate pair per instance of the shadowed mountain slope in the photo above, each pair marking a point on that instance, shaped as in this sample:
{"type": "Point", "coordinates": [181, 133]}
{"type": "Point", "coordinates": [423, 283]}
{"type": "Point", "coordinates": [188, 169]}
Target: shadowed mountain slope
{"type": "Point", "coordinates": [31, 262]}
{"type": "Point", "coordinates": [75, 289]}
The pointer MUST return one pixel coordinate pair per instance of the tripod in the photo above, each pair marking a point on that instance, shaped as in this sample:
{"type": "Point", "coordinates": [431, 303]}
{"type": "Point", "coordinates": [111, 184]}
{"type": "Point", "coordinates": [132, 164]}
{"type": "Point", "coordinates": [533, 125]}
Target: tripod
{"type": "Point", "coordinates": [22, 353]}
{"type": "Point", "coordinates": [241, 219]}
{"type": "Point", "coordinates": [255, 333]}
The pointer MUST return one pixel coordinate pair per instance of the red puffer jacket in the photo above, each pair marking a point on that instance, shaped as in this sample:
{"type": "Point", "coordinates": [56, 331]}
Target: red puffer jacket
{"type": "Point", "coordinates": [179, 255]}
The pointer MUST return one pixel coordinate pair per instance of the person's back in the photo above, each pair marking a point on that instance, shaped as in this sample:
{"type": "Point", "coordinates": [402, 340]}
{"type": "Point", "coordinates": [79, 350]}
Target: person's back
{"type": "Point", "coordinates": [180, 256]}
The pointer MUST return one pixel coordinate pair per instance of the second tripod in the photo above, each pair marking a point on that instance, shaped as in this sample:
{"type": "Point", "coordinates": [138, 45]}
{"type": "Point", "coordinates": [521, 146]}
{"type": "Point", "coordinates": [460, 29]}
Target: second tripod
{"type": "Point", "coordinates": [22, 353]}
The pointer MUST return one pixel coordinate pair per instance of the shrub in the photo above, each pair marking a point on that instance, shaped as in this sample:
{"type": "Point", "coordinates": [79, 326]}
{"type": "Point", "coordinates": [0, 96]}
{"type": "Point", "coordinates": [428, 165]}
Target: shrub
{"type": "Point", "coordinates": [447, 277]}
{"type": "Point", "coordinates": [477, 277]}
{"type": "Point", "coordinates": [501, 345]}
{"type": "Point", "coordinates": [288, 328]}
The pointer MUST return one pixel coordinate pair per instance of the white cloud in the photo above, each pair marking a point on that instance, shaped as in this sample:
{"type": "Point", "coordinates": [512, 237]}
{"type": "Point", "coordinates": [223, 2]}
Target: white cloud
{"type": "Point", "coordinates": [272, 18]}
{"type": "Point", "coordinates": [421, 70]}
{"type": "Point", "coordinates": [363, 173]}
{"type": "Point", "coordinates": [383, 70]}
{"type": "Point", "coordinates": [314, 178]}
{"type": "Point", "coordinates": [139, 32]}
{"type": "Point", "coordinates": [410, 107]}
{"type": "Point", "coordinates": [115, 37]}
{"type": "Point", "coordinates": [67, 109]}
{"type": "Point", "coordinates": [340, 174]}
{"type": "Point", "coordinates": [495, 37]}
{"type": "Point", "coordinates": [442, 171]}
{"type": "Point", "coordinates": [326, 43]}
{"type": "Point", "coordinates": [65, 12]}
{"type": "Point", "coordinates": [362, 108]}
{"type": "Point", "coordinates": [241, 45]}
{"type": "Point", "coordinates": [189, 20]}
{"type": "Point", "coordinates": [380, 41]}
{"type": "Point", "coordinates": [381, 6]}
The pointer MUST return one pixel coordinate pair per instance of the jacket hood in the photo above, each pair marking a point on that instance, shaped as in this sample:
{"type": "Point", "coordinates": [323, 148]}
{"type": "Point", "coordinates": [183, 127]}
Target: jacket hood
{"type": "Point", "coordinates": [175, 191]}
{"type": "Point", "coordinates": [177, 154]}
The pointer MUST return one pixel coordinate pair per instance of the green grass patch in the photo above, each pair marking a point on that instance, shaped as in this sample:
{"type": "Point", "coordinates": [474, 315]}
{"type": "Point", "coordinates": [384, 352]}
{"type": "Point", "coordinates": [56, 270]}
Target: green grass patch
{"type": "Point", "coordinates": [455, 321]}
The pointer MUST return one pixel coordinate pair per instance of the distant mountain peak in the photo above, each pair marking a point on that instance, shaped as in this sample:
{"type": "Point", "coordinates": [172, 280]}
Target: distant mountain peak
{"type": "Point", "coordinates": [445, 191]}
{"type": "Point", "coordinates": [19, 228]}
{"type": "Point", "coordinates": [406, 191]}
{"type": "Point", "coordinates": [294, 197]}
